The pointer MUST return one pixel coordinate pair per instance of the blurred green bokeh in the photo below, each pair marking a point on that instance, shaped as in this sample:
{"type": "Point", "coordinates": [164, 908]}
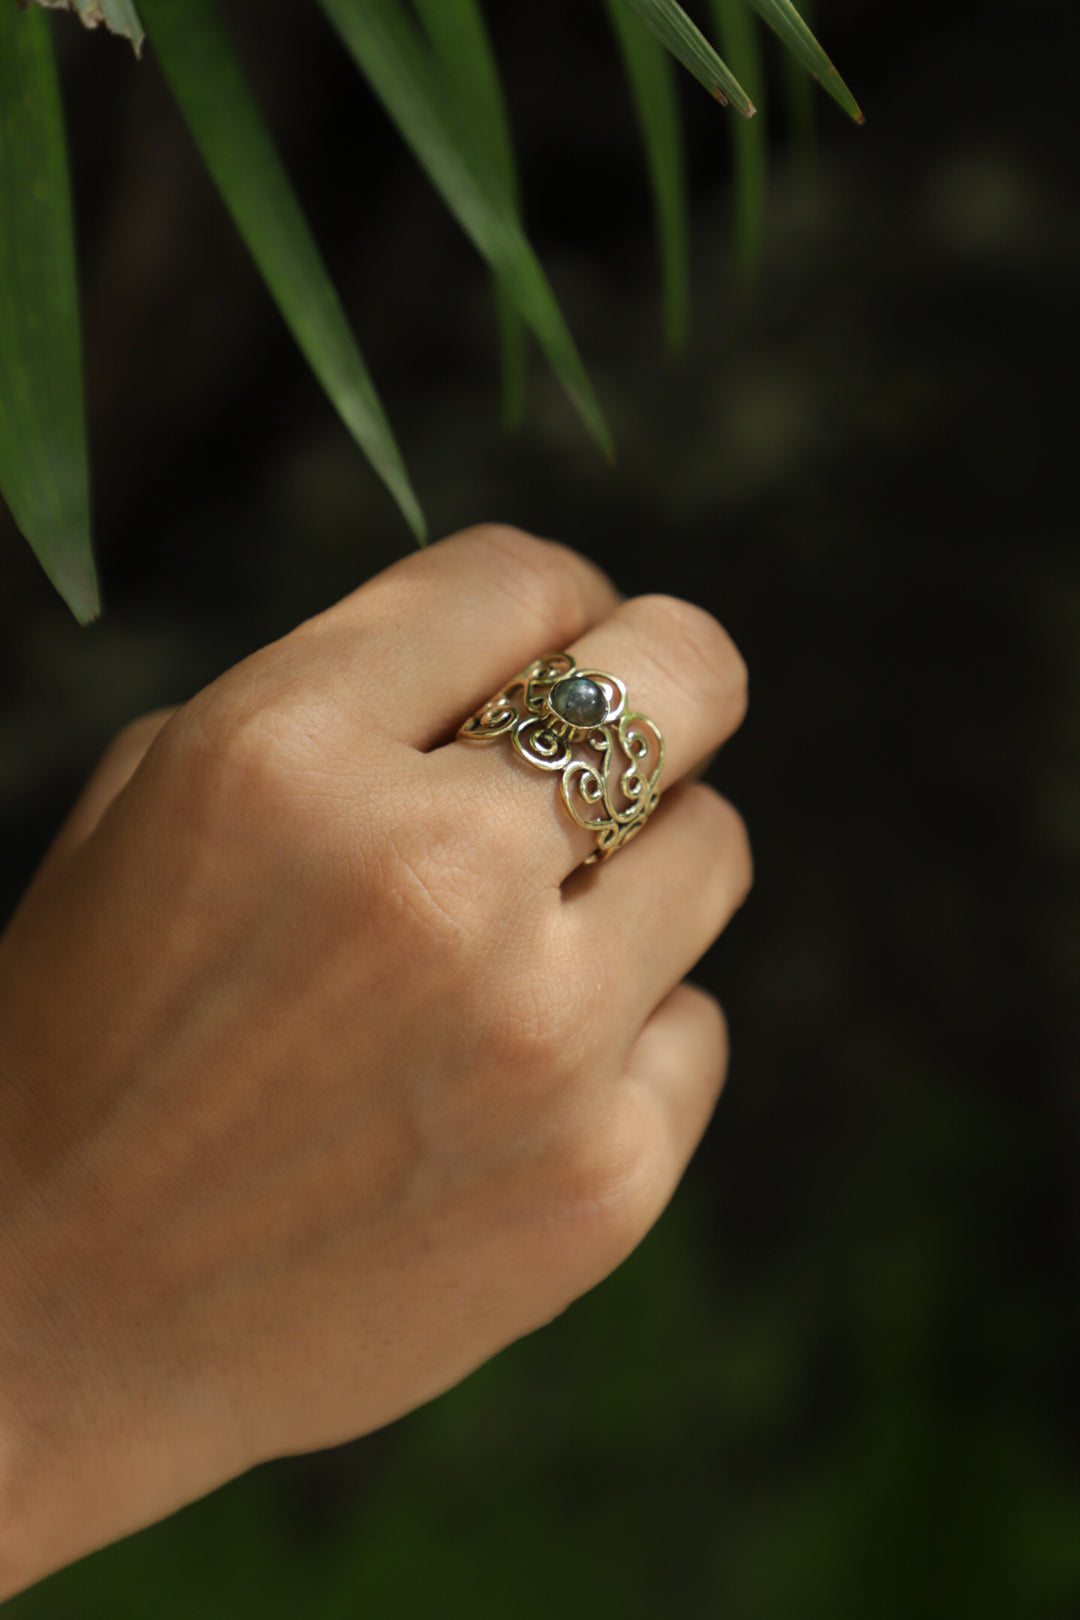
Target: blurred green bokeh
{"type": "Point", "coordinates": [838, 1378]}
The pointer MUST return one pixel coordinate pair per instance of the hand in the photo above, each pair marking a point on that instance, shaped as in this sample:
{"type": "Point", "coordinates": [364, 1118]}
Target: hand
{"type": "Point", "coordinates": [326, 1068]}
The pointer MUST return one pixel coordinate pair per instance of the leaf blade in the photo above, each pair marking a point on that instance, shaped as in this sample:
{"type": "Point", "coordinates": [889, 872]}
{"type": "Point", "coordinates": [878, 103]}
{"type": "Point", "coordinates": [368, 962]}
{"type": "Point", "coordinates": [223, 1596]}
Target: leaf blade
{"type": "Point", "coordinates": [801, 109]}
{"type": "Point", "coordinates": [787, 24]}
{"type": "Point", "coordinates": [652, 78]}
{"type": "Point", "coordinates": [119, 17]}
{"type": "Point", "coordinates": [44, 471]}
{"type": "Point", "coordinates": [199, 62]}
{"type": "Point", "coordinates": [401, 70]}
{"type": "Point", "coordinates": [737, 31]}
{"type": "Point", "coordinates": [460, 40]}
{"type": "Point", "coordinates": [685, 41]}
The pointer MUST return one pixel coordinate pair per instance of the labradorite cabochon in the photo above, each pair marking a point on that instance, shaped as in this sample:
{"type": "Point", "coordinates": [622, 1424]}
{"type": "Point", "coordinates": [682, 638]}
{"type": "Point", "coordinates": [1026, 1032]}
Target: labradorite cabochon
{"type": "Point", "coordinates": [579, 701]}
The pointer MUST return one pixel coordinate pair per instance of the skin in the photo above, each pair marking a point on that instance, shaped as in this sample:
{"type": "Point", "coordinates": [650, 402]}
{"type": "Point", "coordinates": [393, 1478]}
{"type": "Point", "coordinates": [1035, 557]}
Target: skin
{"type": "Point", "coordinates": [326, 1069]}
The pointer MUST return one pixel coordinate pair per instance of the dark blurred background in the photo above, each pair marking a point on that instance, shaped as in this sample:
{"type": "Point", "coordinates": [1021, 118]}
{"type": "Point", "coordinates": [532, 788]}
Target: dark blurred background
{"type": "Point", "coordinates": [838, 1378]}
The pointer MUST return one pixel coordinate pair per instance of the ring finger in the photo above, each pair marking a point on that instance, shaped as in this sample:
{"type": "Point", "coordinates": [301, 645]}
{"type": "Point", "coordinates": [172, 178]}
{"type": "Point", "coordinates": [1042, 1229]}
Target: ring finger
{"type": "Point", "coordinates": [679, 666]}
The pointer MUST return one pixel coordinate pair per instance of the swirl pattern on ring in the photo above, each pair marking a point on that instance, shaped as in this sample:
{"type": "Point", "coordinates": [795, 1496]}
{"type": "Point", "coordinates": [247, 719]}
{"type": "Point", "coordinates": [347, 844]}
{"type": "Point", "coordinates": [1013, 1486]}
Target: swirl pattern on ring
{"type": "Point", "coordinates": [609, 772]}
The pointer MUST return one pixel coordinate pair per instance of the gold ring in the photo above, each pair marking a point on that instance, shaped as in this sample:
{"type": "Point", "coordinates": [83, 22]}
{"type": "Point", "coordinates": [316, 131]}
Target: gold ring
{"type": "Point", "coordinates": [576, 722]}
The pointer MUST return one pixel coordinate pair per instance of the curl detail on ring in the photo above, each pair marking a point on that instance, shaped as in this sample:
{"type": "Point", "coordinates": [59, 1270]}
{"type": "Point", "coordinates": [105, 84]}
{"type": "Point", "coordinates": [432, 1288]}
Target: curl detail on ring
{"type": "Point", "coordinates": [575, 722]}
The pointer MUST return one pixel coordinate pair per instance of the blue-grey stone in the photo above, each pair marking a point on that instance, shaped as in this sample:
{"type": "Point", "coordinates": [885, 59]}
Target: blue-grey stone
{"type": "Point", "coordinates": [578, 700]}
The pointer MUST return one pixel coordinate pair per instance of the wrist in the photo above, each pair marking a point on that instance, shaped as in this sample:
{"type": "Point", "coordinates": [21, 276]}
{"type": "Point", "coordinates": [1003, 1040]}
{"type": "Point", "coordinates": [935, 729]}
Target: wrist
{"type": "Point", "coordinates": [93, 1446]}
{"type": "Point", "coordinates": [52, 1493]}
{"type": "Point", "coordinates": [18, 1565]}
{"type": "Point", "coordinates": [58, 1497]}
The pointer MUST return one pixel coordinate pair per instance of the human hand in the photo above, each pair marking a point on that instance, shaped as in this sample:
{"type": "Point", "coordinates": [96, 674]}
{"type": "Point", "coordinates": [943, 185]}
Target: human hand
{"type": "Point", "coordinates": [326, 1069]}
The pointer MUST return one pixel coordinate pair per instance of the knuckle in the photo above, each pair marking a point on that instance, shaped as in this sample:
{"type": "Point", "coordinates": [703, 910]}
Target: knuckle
{"type": "Point", "coordinates": [723, 1039]}
{"type": "Point", "coordinates": [258, 720]}
{"type": "Point", "coordinates": [711, 1012]}
{"type": "Point", "coordinates": [139, 731]}
{"type": "Point", "coordinates": [732, 836]}
{"type": "Point", "coordinates": [503, 540]}
{"type": "Point", "coordinates": [134, 738]}
{"type": "Point", "coordinates": [696, 650]}
{"type": "Point", "coordinates": [742, 857]}
{"type": "Point", "coordinates": [535, 1029]}
{"type": "Point", "coordinates": [611, 1182]}
{"type": "Point", "coordinates": [236, 752]}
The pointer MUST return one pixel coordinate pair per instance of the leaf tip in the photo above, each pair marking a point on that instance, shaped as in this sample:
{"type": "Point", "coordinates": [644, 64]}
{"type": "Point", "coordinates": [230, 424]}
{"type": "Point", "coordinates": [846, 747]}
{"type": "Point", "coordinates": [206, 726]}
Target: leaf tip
{"type": "Point", "coordinates": [83, 598]}
{"type": "Point", "coordinates": [840, 93]}
{"type": "Point", "coordinates": [74, 578]}
{"type": "Point", "coordinates": [417, 522]}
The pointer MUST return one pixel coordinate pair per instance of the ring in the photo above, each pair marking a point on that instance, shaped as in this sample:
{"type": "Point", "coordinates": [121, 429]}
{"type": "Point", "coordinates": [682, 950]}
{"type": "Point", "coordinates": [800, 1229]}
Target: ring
{"type": "Point", "coordinates": [575, 721]}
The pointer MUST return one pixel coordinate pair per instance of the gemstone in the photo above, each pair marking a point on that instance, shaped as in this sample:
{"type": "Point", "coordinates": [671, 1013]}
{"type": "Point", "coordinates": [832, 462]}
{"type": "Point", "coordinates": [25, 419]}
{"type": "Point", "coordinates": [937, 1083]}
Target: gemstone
{"type": "Point", "coordinates": [579, 701]}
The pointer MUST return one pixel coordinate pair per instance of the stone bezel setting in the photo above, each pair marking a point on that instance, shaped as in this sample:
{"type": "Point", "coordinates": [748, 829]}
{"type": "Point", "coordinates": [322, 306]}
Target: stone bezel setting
{"type": "Point", "coordinates": [612, 691]}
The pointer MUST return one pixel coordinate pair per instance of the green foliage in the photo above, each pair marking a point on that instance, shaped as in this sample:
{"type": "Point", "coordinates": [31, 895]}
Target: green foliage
{"type": "Point", "coordinates": [738, 34]}
{"type": "Point", "coordinates": [118, 16]}
{"type": "Point", "coordinates": [685, 41]}
{"type": "Point", "coordinates": [439, 82]}
{"type": "Point", "coordinates": [403, 72]}
{"type": "Point", "coordinates": [208, 82]}
{"type": "Point", "coordinates": [43, 461]}
{"type": "Point", "coordinates": [651, 74]}
{"type": "Point", "coordinates": [785, 21]}
{"type": "Point", "coordinates": [460, 39]}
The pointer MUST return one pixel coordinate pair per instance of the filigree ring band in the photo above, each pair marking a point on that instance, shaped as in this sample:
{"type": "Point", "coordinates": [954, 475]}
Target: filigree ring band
{"type": "Point", "coordinates": [576, 722]}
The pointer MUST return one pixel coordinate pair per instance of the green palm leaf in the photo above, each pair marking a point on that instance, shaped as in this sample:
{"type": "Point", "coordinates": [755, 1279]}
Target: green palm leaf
{"type": "Point", "coordinates": [785, 21]}
{"type": "Point", "coordinates": [43, 462]}
{"type": "Point", "coordinates": [737, 30]}
{"type": "Point", "coordinates": [460, 40]}
{"type": "Point", "coordinates": [652, 75]}
{"type": "Point", "coordinates": [202, 69]}
{"type": "Point", "coordinates": [800, 106]}
{"type": "Point", "coordinates": [402, 70]}
{"type": "Point", "coordinates": [684, 40]}
{"type": "Point", "coordinates": [119, 17]}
